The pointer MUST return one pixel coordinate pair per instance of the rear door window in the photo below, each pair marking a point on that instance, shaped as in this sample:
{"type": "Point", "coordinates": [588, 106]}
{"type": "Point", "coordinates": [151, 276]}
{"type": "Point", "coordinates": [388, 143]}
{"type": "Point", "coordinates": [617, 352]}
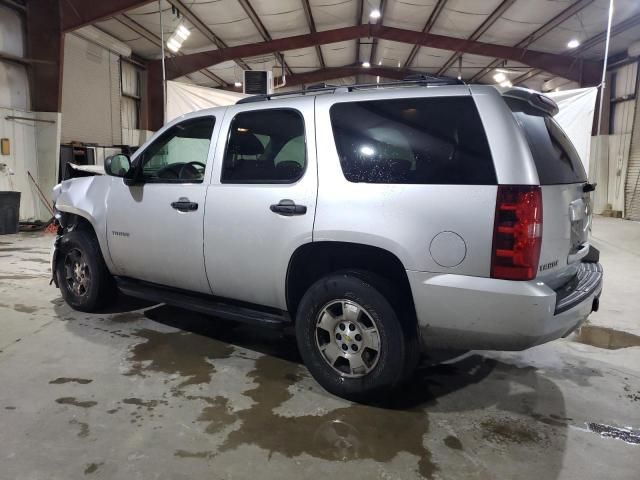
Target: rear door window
{"type": "Point", "coordinates": [265, 146]}
{"type": "Point", "coordinates": [437, 140]}
{"type": "Point", "coordinates": [555, 157]}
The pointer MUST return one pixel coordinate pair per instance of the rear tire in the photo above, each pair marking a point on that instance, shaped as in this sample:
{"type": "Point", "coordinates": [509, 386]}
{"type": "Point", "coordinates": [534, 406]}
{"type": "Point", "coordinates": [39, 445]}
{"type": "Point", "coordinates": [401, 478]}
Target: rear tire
{"type": "Point", "coordinates": [352, 339]}
{"type": "Point", "coordinates": [84, 280]}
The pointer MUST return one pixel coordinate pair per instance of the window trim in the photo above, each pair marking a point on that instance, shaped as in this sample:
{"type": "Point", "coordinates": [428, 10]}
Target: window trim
{"type": "Point", "coordinates": [267, 182]}
{"type": "Point", "coordinates": [139, 161]}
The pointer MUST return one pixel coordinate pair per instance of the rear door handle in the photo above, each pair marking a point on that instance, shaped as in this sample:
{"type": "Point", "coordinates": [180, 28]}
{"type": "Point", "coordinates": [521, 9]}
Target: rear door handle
{"type": "Point", "coordinates": [185, 205]}
{"type": "Point", "coordinates": [288, 208]}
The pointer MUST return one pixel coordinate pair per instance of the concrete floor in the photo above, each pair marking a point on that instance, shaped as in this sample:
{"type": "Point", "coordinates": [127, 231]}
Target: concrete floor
{"type": "Point", "coordinates": [151, 392]}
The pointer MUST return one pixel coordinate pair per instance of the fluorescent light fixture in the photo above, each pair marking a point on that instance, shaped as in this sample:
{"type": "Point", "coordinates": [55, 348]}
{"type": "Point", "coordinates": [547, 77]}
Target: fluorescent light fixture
{"type": "Point", "coordinates": [243, 130]}
{"type": "Point", "coordinates": [367, 150]}
{"type": "Point", "coordinates": [378, 79]}
{"type": "Point", "coordinates": [366, 64]}
{"type": "Point", "coordinates": [237, 84]}
{"type": "Point", "coordinates": [506, 84]}
{"type": "Point", "coordinates": [182, 32]}
{"type": "Point", "coordinates": [499, 77]}
{"type": "Point", "coordinates": [375, 14]}
{"type": "Point", "coordinates": [173, 45]}
{"type": "Point", "coordinates": [573, 43]}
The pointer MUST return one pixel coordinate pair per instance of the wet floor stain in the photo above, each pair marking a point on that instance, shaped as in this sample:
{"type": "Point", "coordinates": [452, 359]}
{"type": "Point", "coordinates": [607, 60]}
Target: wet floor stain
{"type": "Point", "coordinates": [84, 428]}
{"type": "Point", "coordinates": [453, 443]}
{"type": "Point", "coordinates": [19, 276]}
{"type": "Point", "coordinates": [15, 249]}
{"type": "Point", "coordinates": [61, 380]}
{"type": "Point", "coordinates": [75, 402]}
{"type": "Point", "coordinates": [181, 353]}
{"type": "Point", "coordinates": [37, 260]}
{"type": "Point", "coordinates": [347, 433]}
{"type": "Point", "coordinates": [92, 467]}
{"type": "Point", "coordinates": [9, 408]}
{"type": "Point", "coordinates": [509, 431]}
{"type": "Point", "coordinates": [607, 431]}
{"type": "Point", "coordinates": [148, 404]}
{"type": "Point", "coordinates": [186, 454]}
{"type": "Point", "coordinates": [19, 307]}
{"type": "Point", "coordinates": [608, 338]}
{"type": "Point", "coordinates": [126, 317]}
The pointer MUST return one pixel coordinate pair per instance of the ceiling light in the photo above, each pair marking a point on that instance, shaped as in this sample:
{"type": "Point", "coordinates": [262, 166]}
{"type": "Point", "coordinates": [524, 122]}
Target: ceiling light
{"type": "Point", "coordinates": [183, 31]}
{"type": "Point", "coordinates": [366, 64]}
{"type": "Point", "coordinates": [380, 62]}
{"type": "Point", "coordinates": [375, 14]}
{"type": "Point", "coordinates": [505, 70]}
{"type": "Point", "coordinates": [173, 45]}
{"type": "Point", "coordinates": [573, 44]}
{"type": "Point", "coordinates": [237, 84]}
{"type": "Point", "coordinates": [506, 84]}
{"type": "Point", "coordinates": [499, 77]}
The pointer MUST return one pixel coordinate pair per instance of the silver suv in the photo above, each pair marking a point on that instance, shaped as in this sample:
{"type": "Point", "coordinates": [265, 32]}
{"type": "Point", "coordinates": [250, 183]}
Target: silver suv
{"type": "Point", "coordinates": [380, 222]}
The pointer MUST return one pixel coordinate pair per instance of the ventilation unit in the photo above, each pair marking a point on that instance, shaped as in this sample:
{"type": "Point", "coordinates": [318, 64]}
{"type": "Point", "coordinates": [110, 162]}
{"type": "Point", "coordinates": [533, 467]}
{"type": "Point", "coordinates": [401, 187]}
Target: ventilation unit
{"type": "Point", "coordinates": [258, 82]}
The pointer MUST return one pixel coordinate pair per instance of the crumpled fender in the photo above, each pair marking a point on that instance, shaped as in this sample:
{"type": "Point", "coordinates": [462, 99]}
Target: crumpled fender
{"type": "Point", "coordinates": [87, 198]}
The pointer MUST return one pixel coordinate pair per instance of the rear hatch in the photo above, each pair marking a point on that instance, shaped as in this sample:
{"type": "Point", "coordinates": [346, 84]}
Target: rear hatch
{"type": "Point", "coordinates": [566, 207]}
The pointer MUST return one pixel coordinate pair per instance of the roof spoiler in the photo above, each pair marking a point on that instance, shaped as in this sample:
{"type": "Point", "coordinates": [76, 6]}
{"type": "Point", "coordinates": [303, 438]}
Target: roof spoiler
{"type": "Point", "coordinates": [536, 99]}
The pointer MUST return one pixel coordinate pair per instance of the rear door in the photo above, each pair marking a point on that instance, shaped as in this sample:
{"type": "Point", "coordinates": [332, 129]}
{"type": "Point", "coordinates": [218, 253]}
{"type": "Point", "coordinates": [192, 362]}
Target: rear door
{"type": "Point", "coordinates": [261, 202]}
{"type": "Point", "coordinates": [566, 208]}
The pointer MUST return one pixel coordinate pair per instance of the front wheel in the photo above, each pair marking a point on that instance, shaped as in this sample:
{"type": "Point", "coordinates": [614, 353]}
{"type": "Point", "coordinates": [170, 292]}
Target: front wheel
{"type": "Point", "coordinates": [83, 278]}
{"type": "Point", "coordinates": [350, 337]}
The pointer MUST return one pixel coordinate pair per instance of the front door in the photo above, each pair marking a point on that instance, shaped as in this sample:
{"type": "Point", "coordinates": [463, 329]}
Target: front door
{"type": "Point", "coordinates": [261, 201]}
{"type": "Point", "coordinates": [155, 228]}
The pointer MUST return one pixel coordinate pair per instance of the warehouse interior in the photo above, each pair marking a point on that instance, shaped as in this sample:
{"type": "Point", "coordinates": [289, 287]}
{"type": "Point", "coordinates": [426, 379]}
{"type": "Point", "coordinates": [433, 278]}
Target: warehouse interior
{"type": "Point", "coordinates": [147, 390]}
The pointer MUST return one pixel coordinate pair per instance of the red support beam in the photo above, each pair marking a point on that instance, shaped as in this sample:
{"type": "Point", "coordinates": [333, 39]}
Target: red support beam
{"type": "Point", "coordinates": [562, 17]}
{"type": "Point", "coordinates": [560, 65]}
{"type": "Point", "coordinates": [486, 25]}
{"type": "Point", "coordinates": [46, 48]}
{"type": "Point", "coordinates": [78, 13]}
{"type": "Point", "coordinates": [324, 74]}
{"type": "Point", "coordinates": [433, 18]}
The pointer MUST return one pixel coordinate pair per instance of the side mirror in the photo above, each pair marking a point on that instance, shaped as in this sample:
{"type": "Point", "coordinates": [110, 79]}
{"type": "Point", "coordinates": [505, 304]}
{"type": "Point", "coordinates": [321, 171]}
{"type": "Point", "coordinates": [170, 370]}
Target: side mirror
{"type": "Point", "coordinates": [117, 165]}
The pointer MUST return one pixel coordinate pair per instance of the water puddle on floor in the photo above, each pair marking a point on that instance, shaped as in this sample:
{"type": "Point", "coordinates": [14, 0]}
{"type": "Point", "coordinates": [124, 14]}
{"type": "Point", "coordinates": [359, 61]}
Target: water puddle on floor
{"type": "Point", "coordinates": [607, 431]}
{"type": "Point", "coordinates": [608, 338]}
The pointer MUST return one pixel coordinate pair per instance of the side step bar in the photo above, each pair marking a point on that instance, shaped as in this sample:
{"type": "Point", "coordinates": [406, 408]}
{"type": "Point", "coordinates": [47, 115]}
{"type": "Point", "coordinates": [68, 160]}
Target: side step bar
{"type": "Point", "coordinates": [206, 304]}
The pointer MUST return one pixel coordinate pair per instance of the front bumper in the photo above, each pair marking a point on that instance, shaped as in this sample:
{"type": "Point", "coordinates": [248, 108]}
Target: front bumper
{"type": "Point", "coordinates": [476, 313]}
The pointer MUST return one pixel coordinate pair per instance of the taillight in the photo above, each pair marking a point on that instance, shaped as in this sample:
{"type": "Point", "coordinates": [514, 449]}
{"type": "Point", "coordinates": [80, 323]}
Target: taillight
{"type": "Point", "coordinates": [517, 232]}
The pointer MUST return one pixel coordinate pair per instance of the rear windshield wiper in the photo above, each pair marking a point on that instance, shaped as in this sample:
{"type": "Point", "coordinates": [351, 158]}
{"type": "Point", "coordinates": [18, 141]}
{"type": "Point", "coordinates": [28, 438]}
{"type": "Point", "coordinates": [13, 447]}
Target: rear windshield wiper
{"type": "Point", "coordinates": [589, 187]}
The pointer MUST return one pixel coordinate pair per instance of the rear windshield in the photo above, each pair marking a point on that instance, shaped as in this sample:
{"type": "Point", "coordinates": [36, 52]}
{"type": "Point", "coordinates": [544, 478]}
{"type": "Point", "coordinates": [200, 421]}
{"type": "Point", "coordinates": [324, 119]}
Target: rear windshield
{"type": "Point", "coordinates": [555, 157]}
{"type": "Point", "coordinates": [437, 140]}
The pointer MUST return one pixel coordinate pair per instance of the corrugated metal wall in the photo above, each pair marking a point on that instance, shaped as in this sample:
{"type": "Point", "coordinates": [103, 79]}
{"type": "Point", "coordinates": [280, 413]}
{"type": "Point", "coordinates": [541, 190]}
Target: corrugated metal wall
{"type": "Point", "coordinates": [632, 184]}
{"type": "Point", "coordinates": [90, 93]}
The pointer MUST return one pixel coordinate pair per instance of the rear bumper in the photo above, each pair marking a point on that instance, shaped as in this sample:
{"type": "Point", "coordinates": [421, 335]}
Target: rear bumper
{"type": "Point", "coordinates": [463, 312]}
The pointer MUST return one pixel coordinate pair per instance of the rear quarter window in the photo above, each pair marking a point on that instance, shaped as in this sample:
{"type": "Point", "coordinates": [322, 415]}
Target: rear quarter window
{"type": "Point", "coordinates": [437, 140]}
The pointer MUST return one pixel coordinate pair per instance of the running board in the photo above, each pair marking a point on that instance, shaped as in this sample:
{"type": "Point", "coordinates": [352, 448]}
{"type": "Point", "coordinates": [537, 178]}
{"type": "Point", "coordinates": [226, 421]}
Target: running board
{"type": "Point", "coordinates": [206, 304]}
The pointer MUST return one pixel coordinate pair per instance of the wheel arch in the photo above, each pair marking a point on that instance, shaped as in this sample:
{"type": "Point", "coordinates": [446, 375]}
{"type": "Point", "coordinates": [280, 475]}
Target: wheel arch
{"type": "Point", "coordinates": [313, 260]}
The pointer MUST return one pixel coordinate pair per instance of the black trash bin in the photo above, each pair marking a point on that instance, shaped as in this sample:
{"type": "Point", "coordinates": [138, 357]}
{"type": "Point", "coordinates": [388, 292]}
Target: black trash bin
{"type": "Point", "coordinates": [9, 212]}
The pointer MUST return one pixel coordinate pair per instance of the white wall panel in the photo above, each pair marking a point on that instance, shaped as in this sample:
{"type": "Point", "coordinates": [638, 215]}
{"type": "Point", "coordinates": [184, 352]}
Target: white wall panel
{"type": "Point", "coordinates": [11, 32]}
{"type": "Point", "coordinates": [90, 93]}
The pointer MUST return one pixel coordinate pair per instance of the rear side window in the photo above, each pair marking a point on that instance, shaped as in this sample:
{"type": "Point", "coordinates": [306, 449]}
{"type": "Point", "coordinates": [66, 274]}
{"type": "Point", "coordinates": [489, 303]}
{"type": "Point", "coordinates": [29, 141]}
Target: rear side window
{"type": "Point", "coordinates": [438, 140]}
{"type": "Point", "coordinates": [555, 157]}
{"type": "Point", "coordinates": [265, 146]}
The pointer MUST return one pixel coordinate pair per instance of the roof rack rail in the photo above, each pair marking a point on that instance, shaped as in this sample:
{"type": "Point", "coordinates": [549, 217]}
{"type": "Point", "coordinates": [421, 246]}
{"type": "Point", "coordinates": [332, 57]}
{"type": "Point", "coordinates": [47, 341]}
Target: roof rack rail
{"type": "Point", "coordinates": [422, 79]}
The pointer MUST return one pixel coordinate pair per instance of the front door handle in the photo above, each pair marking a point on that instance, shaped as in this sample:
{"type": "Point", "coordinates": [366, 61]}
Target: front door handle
{"type": "Point", "coordinates": [185, 205]}
{"type": "Point", "coordinates": [288, 208]}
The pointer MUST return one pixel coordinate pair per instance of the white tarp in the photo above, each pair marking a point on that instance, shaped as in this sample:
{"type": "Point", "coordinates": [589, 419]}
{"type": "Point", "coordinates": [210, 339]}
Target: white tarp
{"type": "Point", "coordinates": [577, 108]}
{"type": "Point", "coordinates": [184, 98]}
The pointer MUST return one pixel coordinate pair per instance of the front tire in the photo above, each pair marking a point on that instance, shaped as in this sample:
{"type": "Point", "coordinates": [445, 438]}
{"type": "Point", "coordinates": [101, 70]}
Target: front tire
{"type": "Point", "coordinates": [84, 281]}
{"type": "Point", "coordinates": [351, 338]}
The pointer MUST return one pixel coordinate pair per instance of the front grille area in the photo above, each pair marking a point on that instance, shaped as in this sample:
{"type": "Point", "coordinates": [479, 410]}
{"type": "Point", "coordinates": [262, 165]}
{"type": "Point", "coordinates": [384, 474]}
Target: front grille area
{"type": "Point", "coordinates": [586, 281]}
